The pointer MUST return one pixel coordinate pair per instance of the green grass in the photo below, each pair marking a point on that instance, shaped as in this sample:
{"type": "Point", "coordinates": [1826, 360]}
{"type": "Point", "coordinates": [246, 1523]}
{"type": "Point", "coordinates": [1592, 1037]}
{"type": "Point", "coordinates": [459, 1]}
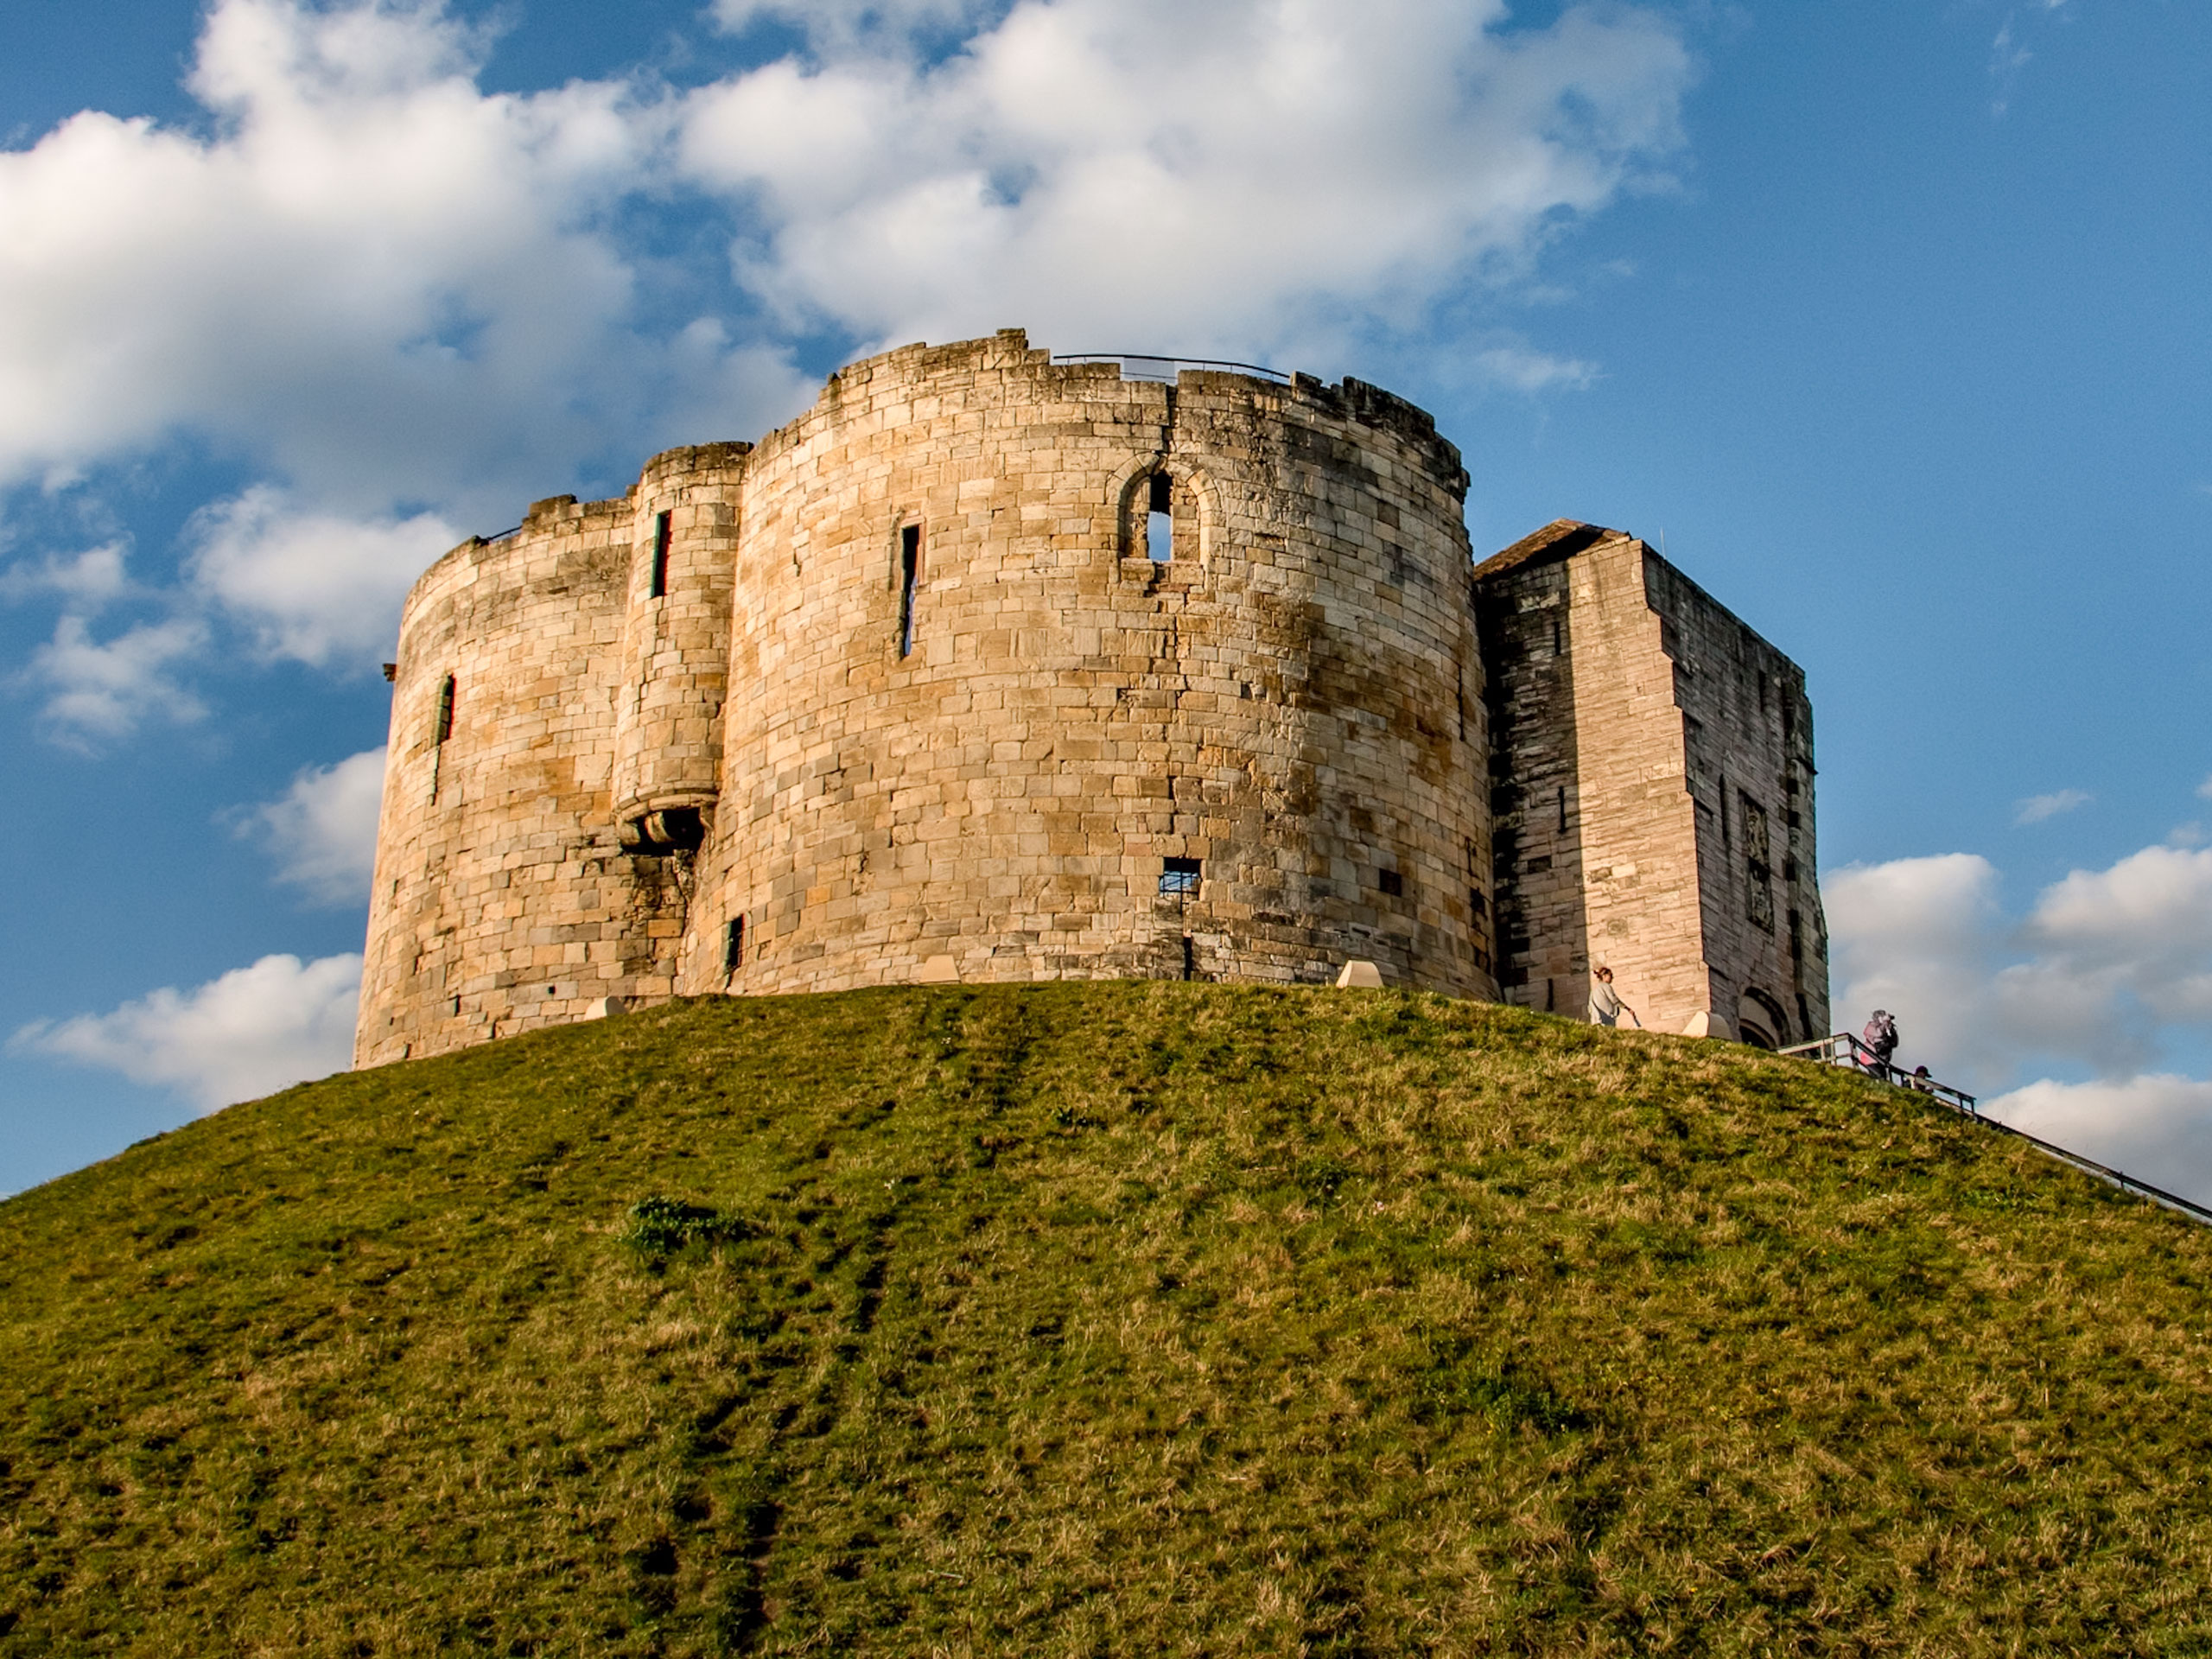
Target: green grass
{"type": "Point", "coordinates": [1122, 1318]}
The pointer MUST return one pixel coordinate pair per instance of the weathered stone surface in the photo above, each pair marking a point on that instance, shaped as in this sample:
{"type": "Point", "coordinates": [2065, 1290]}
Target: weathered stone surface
{"type": "Point", "coordinates": [740, 748]}
{"type": "Point", "coordinates": [1652, 794]}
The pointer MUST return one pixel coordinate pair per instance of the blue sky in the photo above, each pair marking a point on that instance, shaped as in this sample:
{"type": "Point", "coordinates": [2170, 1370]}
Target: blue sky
{"type": "Point", "coordinates": [1889, 317]}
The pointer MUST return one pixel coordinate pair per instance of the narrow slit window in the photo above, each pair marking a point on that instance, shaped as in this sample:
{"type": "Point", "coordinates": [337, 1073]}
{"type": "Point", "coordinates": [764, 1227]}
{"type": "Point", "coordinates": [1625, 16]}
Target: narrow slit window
{"type": "Point", "coordinates": [734, 944]}
{"type": "Point", "coordinates": [445, 712]}
{"type": "Point", "coordinates": [910, 577]}
{"type": "Point", "coordinates": [660, 556]}
{"type": "Point", "coordinates": [1391, 882]}
{"type": "Point", "coordinates": [1160, 521]}
{"type": "Point", "coordinates": [1179, 875]}
{"type": "Point", "coordinates": [1563, 809]}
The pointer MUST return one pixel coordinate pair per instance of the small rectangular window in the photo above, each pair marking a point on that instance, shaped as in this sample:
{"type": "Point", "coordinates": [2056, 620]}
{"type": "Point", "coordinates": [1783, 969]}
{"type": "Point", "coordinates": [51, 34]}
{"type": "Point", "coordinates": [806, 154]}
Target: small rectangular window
{"type": "Point", "coordinates": [1391, 883]}
{"type": "Point", "coordinates": [1179, 875]}
{"type": "Point", "coordinates": [445, 711]}
{"type": "Point", "coordinates": [910, 577]}
{"type": "Point", "coordinates": [660, 556]}
{"type": "Point", "coordinates": [1563, 809]}
{"type": "Point", "coordinates": [734, 944]}
{"type": "Point", "coordinates": [1160, 521]}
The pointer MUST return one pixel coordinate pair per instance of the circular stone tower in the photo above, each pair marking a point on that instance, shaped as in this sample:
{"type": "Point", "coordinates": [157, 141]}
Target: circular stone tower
{"type": "Point", "coordinates": [1037, 671]}
{"type": "Point", "coordinates": [986, 667]}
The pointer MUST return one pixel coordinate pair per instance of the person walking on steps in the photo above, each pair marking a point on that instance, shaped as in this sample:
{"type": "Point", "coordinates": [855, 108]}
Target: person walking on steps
{"type": "Point", "coordinates": [1881, 1038]}
{"type": "Point", "coordinates": [1605, 1005]}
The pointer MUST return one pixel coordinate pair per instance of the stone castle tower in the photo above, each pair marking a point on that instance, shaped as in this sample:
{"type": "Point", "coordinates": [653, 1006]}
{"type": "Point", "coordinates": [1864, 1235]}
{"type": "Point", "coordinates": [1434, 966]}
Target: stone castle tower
{"type": "Point", "coordinates": [991, 667]}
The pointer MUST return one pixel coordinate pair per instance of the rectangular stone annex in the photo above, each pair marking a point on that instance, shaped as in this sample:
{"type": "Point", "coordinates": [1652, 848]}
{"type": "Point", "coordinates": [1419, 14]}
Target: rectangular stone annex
{"type": "Point", "coordinates": [996, 667]}
{"type": "Point", "coordinates": [1651, 794]}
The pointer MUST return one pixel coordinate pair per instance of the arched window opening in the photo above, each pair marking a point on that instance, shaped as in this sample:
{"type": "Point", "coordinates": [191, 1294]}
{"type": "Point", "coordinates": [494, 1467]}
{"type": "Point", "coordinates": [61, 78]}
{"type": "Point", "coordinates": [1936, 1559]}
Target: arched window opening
{"type": "Point", "coordinates": [1160, 520]}
{"type": "Point", "coordinates": [444, 727]}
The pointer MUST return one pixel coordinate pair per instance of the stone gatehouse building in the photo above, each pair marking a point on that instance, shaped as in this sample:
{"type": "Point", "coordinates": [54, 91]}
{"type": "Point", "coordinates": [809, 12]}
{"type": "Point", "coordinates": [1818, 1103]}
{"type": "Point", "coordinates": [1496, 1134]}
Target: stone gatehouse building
{"type": "Point", "coordinates": [992, 667]}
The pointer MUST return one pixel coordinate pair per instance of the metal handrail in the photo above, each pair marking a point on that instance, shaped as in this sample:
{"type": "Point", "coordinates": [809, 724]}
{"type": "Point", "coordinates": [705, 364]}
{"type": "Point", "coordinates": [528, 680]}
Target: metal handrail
{"type": "Point", "coordinates": [1166, 368]}
{"type": "Point", "coordinates": [1847, 1051]}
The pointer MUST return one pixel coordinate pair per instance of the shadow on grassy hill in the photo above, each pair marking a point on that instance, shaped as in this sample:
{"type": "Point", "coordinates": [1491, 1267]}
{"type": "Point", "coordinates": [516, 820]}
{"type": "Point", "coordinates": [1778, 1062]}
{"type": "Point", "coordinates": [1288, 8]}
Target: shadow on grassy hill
{"type": "Point", "coordinates": [1111, 1318]}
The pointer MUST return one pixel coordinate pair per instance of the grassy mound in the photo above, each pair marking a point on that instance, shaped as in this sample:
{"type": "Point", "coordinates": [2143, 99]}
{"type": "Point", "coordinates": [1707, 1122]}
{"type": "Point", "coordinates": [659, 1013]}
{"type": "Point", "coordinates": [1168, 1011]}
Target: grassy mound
{"type": "Point", "coordinates": [1122, 1318]}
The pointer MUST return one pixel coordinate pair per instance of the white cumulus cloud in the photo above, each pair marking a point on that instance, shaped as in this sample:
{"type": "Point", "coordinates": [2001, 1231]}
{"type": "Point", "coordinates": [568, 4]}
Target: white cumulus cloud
{"type": "Point", "coordinates": [323, 828]}
{"type": "Point", "coordinates": [405, 306]}
{"type": "Point", "coordinates": [313, 585]}
{"type": "Point", "coordinates": [103, 688]}
{"type": "Point", "coordinates": [251, 1031]}
{"type": "Point", "coordinates": [2037, 808]}
{"type": "Point", "coordinates": [87, 582]}
{"type": "Point", "coordinates": [2107, 971]}
{"type": "Point", "coordinates": [2157, 1128]}
{"type": "Point", "coordinates": [2103, 961]}
{"type": "Point", "coordinates": [1135, 174]}
{"type": "Point", "coordinates": [378, 281]}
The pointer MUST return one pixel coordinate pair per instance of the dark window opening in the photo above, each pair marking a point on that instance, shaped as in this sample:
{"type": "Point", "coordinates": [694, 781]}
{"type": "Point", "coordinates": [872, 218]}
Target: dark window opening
{"type": "Point", "coordinates": [734, 944]}
{"type": "Point", "coordinates": [1563, 809]}
{"type": "Point", "coordinates": [910, 577]}
{"type": "Point", "coordinates": [660, 556]}
{"type": "Point", "coordinates": [445, 711]}
{"type": "Point", "coordinates": [1190, 958]}
{"type": "Point", "coordinates": [1539, 864]}
{"type": "Point", "coordinates": [1391, 882]}
{"type": "Point", "coordinates": [1477, 904]}
{"type": "Point", "coordinates": [1160, 520]}
{"type": "Point", "coordinates": [1179, 875]}
{"type": "Point", "coordinates": [1559, 646]}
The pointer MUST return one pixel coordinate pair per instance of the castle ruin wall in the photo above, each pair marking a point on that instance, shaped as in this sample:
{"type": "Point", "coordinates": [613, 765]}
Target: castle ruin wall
{"type": "Point", "coordinates": [993, 768]}
{"type": "Point", "coordinates": [991, 667]}
{"type": "Point", "coordinates": [502, 898]}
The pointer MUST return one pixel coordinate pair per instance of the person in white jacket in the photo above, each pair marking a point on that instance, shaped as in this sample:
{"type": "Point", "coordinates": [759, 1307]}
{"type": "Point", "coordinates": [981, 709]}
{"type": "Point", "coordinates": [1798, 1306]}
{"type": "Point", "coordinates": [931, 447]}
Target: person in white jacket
{"type": "Point", "coordinates": [1605, 1005]}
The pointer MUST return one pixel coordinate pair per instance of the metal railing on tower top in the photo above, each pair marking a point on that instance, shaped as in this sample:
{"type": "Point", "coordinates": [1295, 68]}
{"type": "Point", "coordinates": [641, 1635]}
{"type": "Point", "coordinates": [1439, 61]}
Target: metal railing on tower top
{"type": "Point", "coordinates": [1135, 366]}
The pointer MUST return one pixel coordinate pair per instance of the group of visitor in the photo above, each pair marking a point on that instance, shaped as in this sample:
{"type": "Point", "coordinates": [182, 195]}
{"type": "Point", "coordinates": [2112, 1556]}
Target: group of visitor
{"type": "Point", "coordinates": [1878, 1043]}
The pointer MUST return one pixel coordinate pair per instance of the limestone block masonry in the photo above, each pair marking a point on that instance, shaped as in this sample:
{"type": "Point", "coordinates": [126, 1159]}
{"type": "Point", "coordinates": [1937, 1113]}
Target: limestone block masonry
{"type": "Point", "coordinates": [991, 668]}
